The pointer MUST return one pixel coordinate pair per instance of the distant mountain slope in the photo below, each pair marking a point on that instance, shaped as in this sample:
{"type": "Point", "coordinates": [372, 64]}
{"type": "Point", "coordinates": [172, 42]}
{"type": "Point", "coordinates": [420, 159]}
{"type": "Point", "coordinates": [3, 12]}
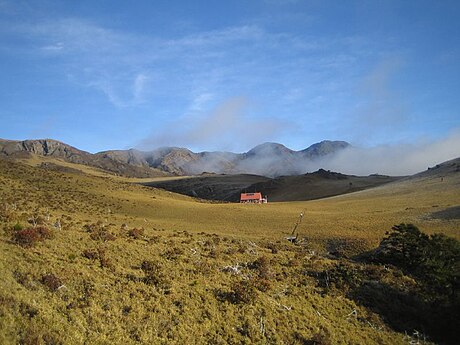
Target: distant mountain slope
{"type": "Point", "coordinates": [268, 159]}
{"type": "Point", "coordinates": [324, 148]}
{"type": "Point", "coordinates": [440, 170]}
{"type": "Point", "coordinates": [57, 149]}
{"type": "Point", "coordinates": [45, 147]}
{"type": "Point", "coordinates": [211, 187]}
{"type": "Point", "coordinates": [319, 184]}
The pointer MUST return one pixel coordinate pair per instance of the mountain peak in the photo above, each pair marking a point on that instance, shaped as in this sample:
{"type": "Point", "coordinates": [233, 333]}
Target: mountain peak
{"type": "Point", "coordinates": [269, 148]}
{"type": "Point", "coordinates": [324, 148]}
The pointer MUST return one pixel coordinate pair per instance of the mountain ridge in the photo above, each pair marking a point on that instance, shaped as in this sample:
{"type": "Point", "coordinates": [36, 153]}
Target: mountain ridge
{"type": "Point", "coordinates": [267, 159]}
{"type": "Point", "coordinates": [56, 149]}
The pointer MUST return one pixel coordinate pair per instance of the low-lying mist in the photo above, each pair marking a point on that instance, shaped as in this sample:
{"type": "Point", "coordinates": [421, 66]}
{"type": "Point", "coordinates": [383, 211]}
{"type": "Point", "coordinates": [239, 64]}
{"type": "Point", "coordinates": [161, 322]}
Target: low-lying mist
{"type": "Point", "coordinates": [276, 160]}
{"type": "Point", "coordinates": [401, 159]}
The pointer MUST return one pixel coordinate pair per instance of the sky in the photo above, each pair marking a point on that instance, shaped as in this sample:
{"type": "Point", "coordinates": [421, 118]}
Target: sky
{"type": "Point", "coordinates": [228, 75]}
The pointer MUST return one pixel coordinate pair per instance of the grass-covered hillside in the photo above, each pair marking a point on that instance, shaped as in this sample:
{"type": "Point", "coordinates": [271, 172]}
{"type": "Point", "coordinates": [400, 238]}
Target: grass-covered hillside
{"type": "Point", "coordinates": [92, 259]}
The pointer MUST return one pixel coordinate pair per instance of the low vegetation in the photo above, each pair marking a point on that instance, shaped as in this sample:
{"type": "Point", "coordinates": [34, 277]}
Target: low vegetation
{"type": "Point", "coordinates": [30, 236]}
{"type": "Point", "coordinates": [119, 263]}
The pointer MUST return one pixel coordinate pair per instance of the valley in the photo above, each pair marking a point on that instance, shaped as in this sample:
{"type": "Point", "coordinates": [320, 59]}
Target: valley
{"type": "Point", "coordinates": [135, 264]}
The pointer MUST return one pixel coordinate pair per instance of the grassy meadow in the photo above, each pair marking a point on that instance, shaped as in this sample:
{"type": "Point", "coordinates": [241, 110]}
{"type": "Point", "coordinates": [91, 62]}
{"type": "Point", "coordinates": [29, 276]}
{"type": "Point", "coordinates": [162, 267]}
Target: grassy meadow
{"type": "Point", "coordinates": [124, 263]}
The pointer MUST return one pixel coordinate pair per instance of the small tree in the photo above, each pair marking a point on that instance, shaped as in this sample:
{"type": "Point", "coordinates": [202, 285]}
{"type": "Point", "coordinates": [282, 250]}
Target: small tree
{"type": "Point", "coordinates": [434, 259]}
{"type": "Point", "coordinates": [405, 246]}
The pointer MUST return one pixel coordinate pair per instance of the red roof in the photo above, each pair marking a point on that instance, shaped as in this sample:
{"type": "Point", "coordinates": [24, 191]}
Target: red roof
{"type": "Point", "coordinates": [251, 196]}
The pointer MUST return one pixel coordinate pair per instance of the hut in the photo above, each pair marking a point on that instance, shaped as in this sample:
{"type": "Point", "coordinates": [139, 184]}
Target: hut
{"type": "Point", "coordinates": [252, 198]}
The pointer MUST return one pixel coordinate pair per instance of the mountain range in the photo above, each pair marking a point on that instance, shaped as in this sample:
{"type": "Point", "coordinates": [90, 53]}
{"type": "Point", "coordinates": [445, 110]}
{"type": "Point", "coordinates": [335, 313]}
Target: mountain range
{"type": "Point", "coordinates": [268, 159]}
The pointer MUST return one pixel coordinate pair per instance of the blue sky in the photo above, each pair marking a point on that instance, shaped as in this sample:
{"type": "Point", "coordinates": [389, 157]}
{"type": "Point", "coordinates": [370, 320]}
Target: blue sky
{"type": "Point", "coordinates": [227, 75]}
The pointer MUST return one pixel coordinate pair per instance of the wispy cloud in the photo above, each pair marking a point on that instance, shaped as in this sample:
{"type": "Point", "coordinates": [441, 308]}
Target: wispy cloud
{"type": "Point", "coordinates": [200, 103]}
{"type": "Point", "coordinates": [298, 79]}
{"type": "Point", "coordinates": [140, 83]}
{"type": "Point", "coordinates": [226, 127]}
{"type": "Point", "coordinates": [229, 61]}
{"type": "Point", "coordinates": [380, 108]}
{"type": "Point", "coordinates": [108, 61]}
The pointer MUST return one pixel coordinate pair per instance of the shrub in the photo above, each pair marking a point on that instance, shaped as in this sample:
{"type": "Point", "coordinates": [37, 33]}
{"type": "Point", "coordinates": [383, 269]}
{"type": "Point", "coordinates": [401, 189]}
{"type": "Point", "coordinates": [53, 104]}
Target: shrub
{"type": "Point", "coordinates": [98, 254]}
{"type": "Point", "coordinates": [154, 275]}
{"type": "Point", "coordinates": [51, 281]}
{"type": "Point", "coordinates": [136, 233]}
{"type": "Point", "coordinates": [90, 254]}
{"type": "Point", "coordinates": [30, 236]}
{"type": "Point", "coordinates": [342, 276]}
{"type": "Point", "coordinates": [323, 337]}
{"type": "Point", "coordinates": [173, 253]}
{"type": "Point", "coordinates": [149, 266]}
{"type": "Point", "coordinates": [262, 284]}
{"type": "Point", "coordinates": [23, 278]}
{"type": "Point", "coordinates": [273, 247]}
{"type": "Point", "coordinates": [434, 259]}
{"type": "Point", "coordinates": [17, 227]}
{"type": "Point", "coordinates": [100, 233]}
{"type": "Point", "coordinates": [27, 237]}
{"type": "Point", "coordinates": [405, 246]}
{"type": "Point", "coordinates": [262, 265]}
{"type": "Point", "coordinates": [104, 261]}
{"type": "Point", "coordinates": [214, 253]}
{"type": "Point", "coordinates": [44, 233]}
{"type": "Point", "coordinates": [264, 274]}
{"type": "Point", "coordinates": [243, 291]}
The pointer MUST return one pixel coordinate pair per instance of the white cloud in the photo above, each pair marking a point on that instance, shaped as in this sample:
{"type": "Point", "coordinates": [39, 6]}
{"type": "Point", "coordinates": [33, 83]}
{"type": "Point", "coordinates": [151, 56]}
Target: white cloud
{"type": "Point", "coordinates": [380, 108]}
{"type": "Point", "coordinates": [226, 61]}
{"type": "Point", "coordinates": [288, 75]}
{"type": "Point", "coordinates": [200, 103]}
{"type": "Point", "coordinates": [225, 127]}
{"type": "Point", "coordinates": [140, 83]}
{"type": "Point", "coordinates": [397, 159]}
{"type": "Point", "coordinates": [54, 47]}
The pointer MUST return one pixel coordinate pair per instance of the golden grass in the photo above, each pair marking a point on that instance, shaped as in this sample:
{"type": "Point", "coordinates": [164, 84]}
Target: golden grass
{"type": "Point", "coordinates": [112, 302]}
{"type": "Point", "coordinates": [366, 214]}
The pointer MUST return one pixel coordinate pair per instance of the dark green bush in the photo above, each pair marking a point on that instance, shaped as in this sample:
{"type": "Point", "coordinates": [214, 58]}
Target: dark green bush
{"type": "Point", "coordinates": [17, 227]}
{"type": "Point", "coordinates": [434, 260]}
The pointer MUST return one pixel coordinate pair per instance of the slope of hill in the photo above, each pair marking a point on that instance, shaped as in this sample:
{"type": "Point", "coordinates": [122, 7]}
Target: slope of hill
{"type": "Point", "coordinates": [53, 148]}
{"type": "Point", "coordinates": [211, 186]}
{"type": "Point", "coordinates": [441, 170]}
{"type": "Point", "coordinates": [316, 185]}
{"type": "Point", "coordinates": [319, 184]}
{"type": "Point", "coordinates": [124, 263]}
